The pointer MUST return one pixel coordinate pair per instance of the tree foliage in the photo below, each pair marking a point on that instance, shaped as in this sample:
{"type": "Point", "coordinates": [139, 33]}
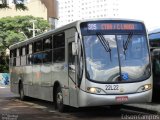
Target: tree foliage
{"type": "Point", "coordinates": [12, 30]}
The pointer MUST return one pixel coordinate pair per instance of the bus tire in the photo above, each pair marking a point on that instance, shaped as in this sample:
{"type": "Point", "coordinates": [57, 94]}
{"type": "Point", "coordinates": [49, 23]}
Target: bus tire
{"type": "Point", "coordinates": [59, 100]}
{"type": "Point", "coordinates": [21, 91]}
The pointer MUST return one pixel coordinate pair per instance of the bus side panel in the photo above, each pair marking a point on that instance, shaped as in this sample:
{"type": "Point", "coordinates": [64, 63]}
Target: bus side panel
{"type": "Point", "coordinates": [36, 77]}
{"type": "Point", "coordinates": [60, 73]}
{"type": "Point", "coordinates": [15, 76]}
{"type": "Point", "coordinates": [27, 80]}
{"type": "Point", "coordinates": [46, 90]}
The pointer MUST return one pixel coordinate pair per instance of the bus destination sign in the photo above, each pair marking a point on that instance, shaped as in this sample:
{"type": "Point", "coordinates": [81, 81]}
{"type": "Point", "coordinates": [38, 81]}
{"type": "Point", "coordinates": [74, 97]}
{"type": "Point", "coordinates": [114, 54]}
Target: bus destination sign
{"type": "Point", "coordinates": [114, 26]}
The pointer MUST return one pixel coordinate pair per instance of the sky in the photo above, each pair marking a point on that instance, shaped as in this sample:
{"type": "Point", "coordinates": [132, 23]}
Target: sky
{"type": "Point", "coordinates": [145, 10]}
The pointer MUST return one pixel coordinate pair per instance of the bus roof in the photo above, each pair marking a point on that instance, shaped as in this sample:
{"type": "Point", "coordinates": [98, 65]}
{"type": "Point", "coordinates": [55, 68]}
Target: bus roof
{"type": "Point", "coordinates": [73, 24]}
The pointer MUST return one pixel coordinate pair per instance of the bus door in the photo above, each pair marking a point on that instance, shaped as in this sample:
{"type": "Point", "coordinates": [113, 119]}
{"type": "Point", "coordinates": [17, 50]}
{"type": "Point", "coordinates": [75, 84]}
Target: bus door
{"type": "Point", "coordinates": [156, 67]}
{"type": "Point", "coordinates": [72, 79]}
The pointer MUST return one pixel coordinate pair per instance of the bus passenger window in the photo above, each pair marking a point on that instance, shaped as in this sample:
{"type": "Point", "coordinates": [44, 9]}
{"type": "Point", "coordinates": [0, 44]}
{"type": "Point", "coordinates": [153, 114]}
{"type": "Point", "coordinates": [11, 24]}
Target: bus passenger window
{"type": "Point", "coordinates": [59, 48]}
{"type": "Point", "coordinates": [30, 49]}
{"type": "Point", "coordinates": [14, 59]}
{"type": "Point", "coordinates": [18, 62]}
{"type": "Point", "coordinates": [38, 58]}
{"type": "Point", "coordinates": [59, 55]}
{"type": "Point", "coordinates": [18, 52]}
{"type": "Point", "coordinates": [23, 51]}
{"type": "Point", "coordinates": [47, 56]}
{"type": "Point", "coordinates": [38, 46]}
{"type": "Point", "coordinates": [23, 55]}
{"type": "Point", "coordinates": [59, 40]}
{"type": "Point", "coordinates": [29, 59]}
{"type": "Point", "coordinates": [47, 43]}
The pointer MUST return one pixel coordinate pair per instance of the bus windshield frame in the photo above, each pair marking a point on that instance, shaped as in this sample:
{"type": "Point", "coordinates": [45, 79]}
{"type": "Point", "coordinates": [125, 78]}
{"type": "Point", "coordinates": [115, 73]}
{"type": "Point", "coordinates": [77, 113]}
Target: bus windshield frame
{"type": "Point", "coordinates": [122, 75]}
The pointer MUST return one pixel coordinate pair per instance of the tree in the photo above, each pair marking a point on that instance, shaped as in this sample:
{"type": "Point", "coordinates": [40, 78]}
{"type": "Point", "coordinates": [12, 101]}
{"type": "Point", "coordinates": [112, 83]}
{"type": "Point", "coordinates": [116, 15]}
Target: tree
{"type": "Point", "coordinates": [18, 4]}
{"type": "Point", "coordinates": [14, 29]}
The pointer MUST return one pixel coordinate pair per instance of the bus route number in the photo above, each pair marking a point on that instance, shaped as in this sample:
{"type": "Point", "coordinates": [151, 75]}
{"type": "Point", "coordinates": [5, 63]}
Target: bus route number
{"type": "Point", "coordinates": [112, 87]}
{"type": "Point", "coordinates": [92, 27]}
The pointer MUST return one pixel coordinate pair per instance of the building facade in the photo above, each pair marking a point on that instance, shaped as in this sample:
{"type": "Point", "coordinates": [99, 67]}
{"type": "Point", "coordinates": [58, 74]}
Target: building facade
{"type": "Point", "coordinates": [46, 9]}
{"type": "Point", "coordinates": [71, 10]}
{"type": "Point", "coordinates": [35, 8]}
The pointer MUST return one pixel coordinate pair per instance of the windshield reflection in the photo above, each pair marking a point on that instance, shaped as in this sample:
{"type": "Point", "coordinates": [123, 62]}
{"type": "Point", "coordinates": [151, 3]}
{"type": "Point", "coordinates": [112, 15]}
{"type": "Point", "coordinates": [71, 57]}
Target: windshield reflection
{"type": "Point", "coordinates": [134, 62]}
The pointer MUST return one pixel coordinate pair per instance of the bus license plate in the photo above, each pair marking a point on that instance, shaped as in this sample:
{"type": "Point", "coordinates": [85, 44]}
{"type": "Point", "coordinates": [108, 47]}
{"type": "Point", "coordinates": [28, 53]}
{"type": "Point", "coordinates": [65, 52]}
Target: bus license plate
{"type": "Point", "coordinates": [122, 98]}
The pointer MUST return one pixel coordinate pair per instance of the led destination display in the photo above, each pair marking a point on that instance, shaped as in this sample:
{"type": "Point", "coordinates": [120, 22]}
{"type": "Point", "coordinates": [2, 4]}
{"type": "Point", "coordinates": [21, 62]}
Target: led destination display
{"type": "Point", "coordinates": [114, 26]}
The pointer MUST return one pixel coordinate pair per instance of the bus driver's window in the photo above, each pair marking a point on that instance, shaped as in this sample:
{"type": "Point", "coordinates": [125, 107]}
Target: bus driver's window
{"type": "Point", "coordinates": [71, 58]}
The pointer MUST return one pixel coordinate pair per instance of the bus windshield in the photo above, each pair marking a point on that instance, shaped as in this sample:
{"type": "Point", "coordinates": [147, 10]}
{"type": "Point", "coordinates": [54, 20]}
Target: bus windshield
{"type": "Point", "coordinates": [120, 64]}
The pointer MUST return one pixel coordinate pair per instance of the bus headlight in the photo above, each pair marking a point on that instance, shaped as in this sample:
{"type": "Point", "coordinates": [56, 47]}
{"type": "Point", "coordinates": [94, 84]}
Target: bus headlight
{"type": "Point", "coordinates": [95, 90]}
{"type": "Point", "coordinates": [145, 88]}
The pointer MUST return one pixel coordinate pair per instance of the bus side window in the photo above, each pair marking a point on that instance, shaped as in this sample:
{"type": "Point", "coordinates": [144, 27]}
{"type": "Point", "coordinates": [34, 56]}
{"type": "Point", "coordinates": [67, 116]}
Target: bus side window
{"type": "Point", "coordinates": [59, 48]}
{"type": "Point", "coordinates": [23, 55]}
{"type": "Point", "coordinates": [14, 57]}
{"type": "Point", "coordinates": [47, 43]}
{"type": "Point", "coordinates": [38, 46]}
{"type": "Point", "coordinates": [18, 57]}
{"type": "Point", "coordinates": [156, 63]}
{"type": "Point", "coordinates": [37, 57]}
{"type": "Point", "coordinates": [47, 48]}
{"type": "Point", "coordinates": [29, 51]}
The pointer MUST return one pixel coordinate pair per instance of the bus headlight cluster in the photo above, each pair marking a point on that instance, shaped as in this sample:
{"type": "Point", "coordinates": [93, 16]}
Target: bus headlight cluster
{"type": "Point", "coordinates": [95, 90]}
{"type": "Point", "coordinates": [145, 87]}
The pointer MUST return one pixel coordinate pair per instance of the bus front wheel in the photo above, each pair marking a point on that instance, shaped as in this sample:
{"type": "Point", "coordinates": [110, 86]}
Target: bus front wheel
{"type": "Point", "coordinates": [59, 100]}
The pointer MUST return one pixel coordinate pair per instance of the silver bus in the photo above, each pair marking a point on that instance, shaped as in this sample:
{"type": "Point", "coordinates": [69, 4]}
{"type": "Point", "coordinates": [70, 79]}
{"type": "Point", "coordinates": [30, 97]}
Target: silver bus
{"type": "Point", "coordinates": [85, 63]}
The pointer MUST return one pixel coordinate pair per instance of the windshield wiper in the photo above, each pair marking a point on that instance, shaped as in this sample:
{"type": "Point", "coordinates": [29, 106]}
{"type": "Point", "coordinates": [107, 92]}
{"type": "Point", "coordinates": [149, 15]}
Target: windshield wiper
{"type": "Point", "coordinates": [104, 43]}
{"type": "Point", "coordinates": [125, 45]}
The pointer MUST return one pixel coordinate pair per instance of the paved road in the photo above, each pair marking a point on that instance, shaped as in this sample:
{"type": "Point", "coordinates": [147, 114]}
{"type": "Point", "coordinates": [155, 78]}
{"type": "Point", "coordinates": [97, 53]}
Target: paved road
{"type": "Point", "coordinates": [11, 108]}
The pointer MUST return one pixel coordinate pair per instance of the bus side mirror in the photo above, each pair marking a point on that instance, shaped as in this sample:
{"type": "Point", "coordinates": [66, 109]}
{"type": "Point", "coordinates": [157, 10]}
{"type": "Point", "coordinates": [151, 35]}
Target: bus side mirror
{"type": "Point", "coordinates": [74, 48]}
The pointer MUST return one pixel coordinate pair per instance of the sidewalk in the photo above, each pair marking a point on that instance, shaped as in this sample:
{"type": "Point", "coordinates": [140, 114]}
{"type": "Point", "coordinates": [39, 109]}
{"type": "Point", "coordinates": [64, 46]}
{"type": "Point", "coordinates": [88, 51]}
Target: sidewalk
{"type": "Point", "coordinates": [5, 92]}
{"type": "Point", "coordinates": [154, 107]}
{"type": "Point", "coordinates": [4, 86]}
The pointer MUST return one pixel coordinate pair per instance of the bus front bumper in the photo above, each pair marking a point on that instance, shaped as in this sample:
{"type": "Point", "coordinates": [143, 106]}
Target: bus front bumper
{"type": "Point", "coordinates": [86, 99]}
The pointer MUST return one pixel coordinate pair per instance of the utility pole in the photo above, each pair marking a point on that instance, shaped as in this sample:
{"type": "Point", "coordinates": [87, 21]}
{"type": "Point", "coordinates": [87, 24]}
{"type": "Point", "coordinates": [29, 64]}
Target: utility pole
{"type": "Point", "coordinates": [33, 29]}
